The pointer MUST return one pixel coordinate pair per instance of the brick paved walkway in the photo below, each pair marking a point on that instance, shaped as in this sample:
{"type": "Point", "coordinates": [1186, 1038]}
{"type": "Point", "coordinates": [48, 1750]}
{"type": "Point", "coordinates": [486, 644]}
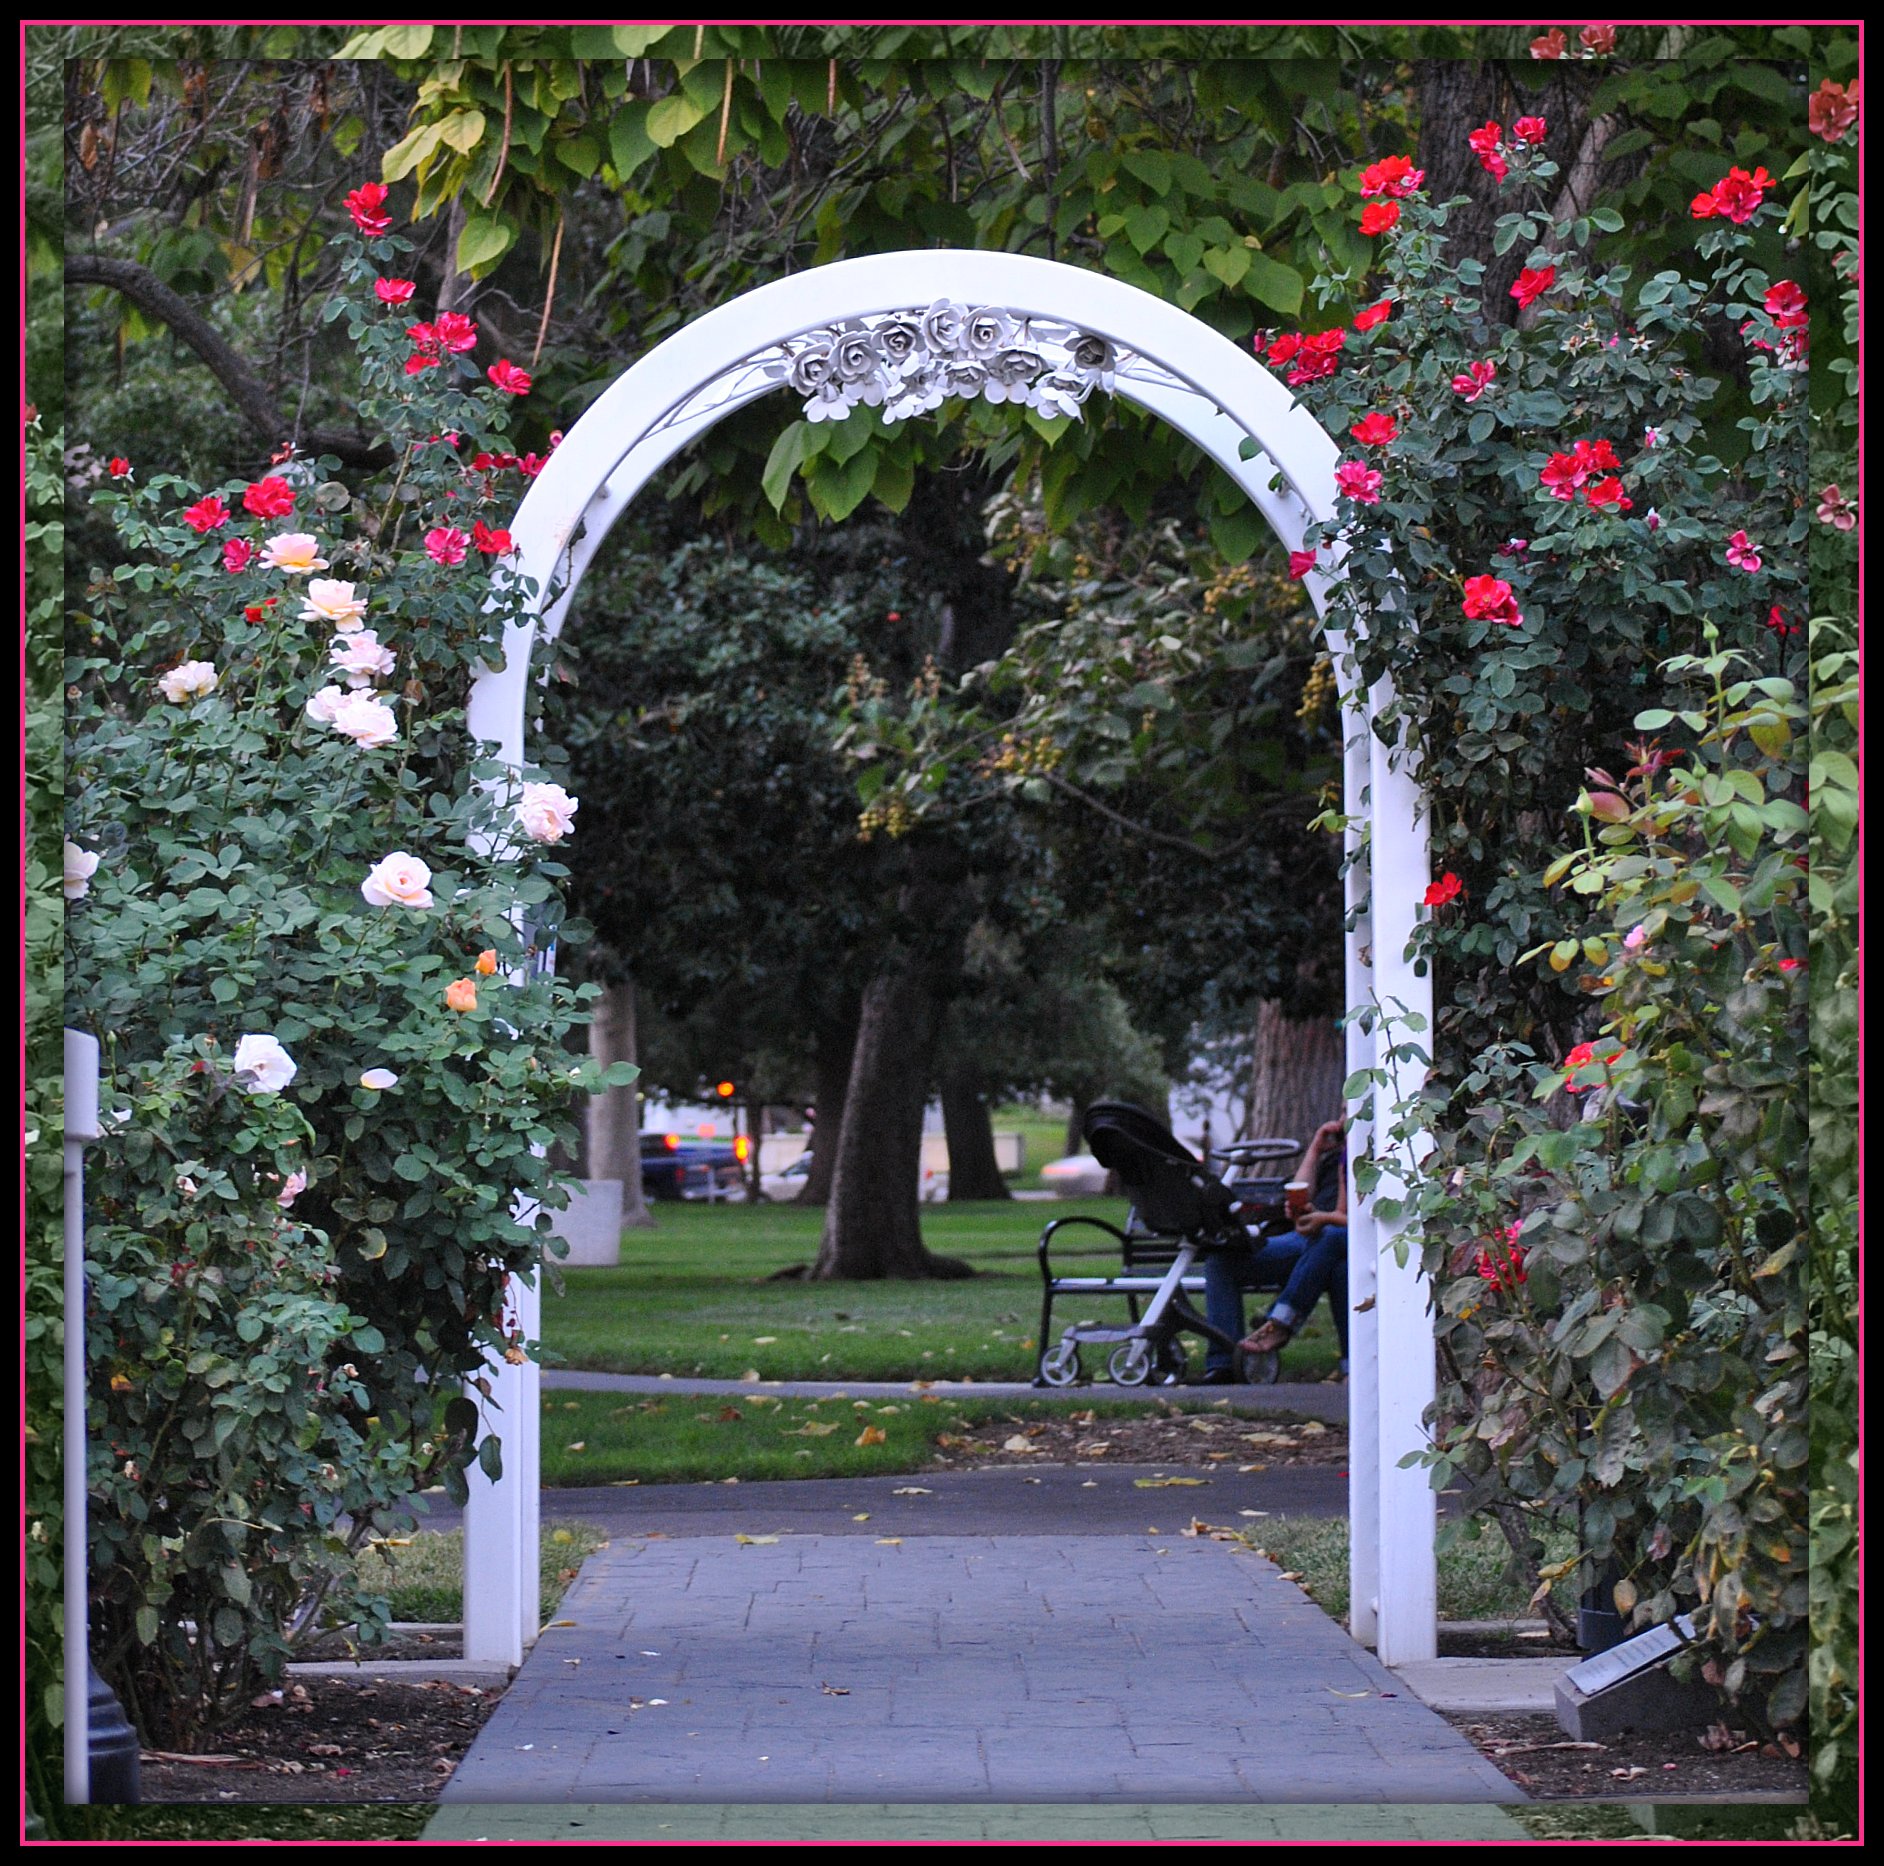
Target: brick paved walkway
{"type": "Point", "coordinates": [1113, 1669]}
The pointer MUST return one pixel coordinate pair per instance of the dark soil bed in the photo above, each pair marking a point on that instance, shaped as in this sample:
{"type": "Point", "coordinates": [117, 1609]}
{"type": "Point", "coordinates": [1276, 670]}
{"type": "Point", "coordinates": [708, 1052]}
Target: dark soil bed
{"type": "Point", "coordinates": [332, 1740]}
{"type": "Point", "coordinates": [400, 1646]}
{"type": "Point", "coordinates": [1653, 1767]}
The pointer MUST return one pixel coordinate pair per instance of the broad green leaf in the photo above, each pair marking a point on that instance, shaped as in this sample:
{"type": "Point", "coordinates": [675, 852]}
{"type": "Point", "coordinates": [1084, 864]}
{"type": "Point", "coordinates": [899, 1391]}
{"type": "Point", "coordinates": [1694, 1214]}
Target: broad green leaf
{"type": "Point", "coordinates": [672, 118]}
{"type": "Point", "coordinates": [463, 130]}
{"type": "Point", "coordinates": [788, 454]}
{"type": "Point", "coordinates": [407, 41]}
{"type": "Point", "coordinates": [484, 241]}
{"type": "Point", "coordinates": [403, 157]}
{"type": "Point", "coordinates": [1272, 283]}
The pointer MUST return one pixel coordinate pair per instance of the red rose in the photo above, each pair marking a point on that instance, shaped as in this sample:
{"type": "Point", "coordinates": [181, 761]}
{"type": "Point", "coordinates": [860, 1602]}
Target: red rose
{"type": "Point", "coordinates": [1489, 599]}
{"type": "Point", "coordinates": [1378, 216]}
{"type": "Point", "coordinates": [1360, 483]}
{"type": "Point", "coordinates": [1736, 196]}
{"type": "Point", "coordinates": [1552, 45]}
{"type": "Point", "coordinates": [1374, 430]}
{"type": "Point", "coordinates": [1831, 111]}
{"type": "Point", "coordinates": [1529, 130]}
{"type": "Point", "coordinates": [1392, 176]}
{"type": "Point", "coordinates": [1786, 305]}
{"type": "Point", "coordinates": [1284, 347]}
{"type": "Point", "coordinates": [364, 205]}
{"type": "Point", "coordinates": [492, 543]}
{"type": "Point", "coordinates": [509, 378]}
{"type": "Point", "coordinates": [1300, 564]}
{"type": "Point", "coordinates": [1447, 888]}
{"type": "Point", "coordinates": [1598, 41]}
{"type": "Point", "coordinates": [236, 554]}
{"type": "Point", "coordinates": [419, 361]}
{"type": "Point", "coordinates": [119, 467]}
{"type": "Point", "coordinates": [394, 291]}
{"type": "Point", "coordinates": [1606, 495]}
{"type": "Point", "coordinates": [454, 332]}
{"type": "Point", "coordinates": [532, 464]}
{"type": "Point", "coordinates": [269, 498]}
{"type": "Point", "coordinates": [207, 514]}
{"type": "Point", "coordinates": [1373, 315]}
{"type": "Point", "coordinates": [1533, 283]}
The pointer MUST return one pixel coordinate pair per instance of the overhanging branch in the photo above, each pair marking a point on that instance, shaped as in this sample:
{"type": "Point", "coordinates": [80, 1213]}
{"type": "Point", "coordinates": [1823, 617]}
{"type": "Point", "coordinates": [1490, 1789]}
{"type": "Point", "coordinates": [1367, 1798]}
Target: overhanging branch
{"type": "Point", "coordinates": [246, 390]}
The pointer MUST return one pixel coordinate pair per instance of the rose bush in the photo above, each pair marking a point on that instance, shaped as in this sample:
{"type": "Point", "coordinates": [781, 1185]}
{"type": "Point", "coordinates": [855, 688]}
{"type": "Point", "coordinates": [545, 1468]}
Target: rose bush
{"type": "Point", "coordinates": [302, 1223]}
{"type": "Point", "coordinates": [1561, 532]}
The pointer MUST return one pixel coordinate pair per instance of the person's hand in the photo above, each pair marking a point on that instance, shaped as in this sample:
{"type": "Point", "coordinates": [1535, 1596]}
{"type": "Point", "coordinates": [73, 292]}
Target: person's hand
{"type": "Point", "coordinates": [1331, 1130]}
{"type": "Point", "coordinates": [1311, 1222]}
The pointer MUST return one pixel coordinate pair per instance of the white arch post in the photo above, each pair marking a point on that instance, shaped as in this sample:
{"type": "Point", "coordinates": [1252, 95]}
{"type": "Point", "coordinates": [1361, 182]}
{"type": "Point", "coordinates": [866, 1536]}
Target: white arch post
{"type": "Point", "coordinates": [1217, 395]}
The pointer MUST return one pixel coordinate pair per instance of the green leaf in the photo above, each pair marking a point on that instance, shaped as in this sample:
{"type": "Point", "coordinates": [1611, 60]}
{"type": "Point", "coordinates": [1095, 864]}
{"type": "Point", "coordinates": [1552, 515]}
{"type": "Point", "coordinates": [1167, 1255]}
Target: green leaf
{"type": "Point", "coordinates": [1145, 226]}
{"type": "Point", "coordinates": [629, 144]}
{"type": "Point", "coordinates": [147, 1625]}
{"type": "Point", "coordinates": [463, 130]}
{"type": "Point", "coordinates": [634, 41]}
{"type": "Point", "coordinates": [484, 241]}
{"type": "Point", "coordinates": [1272, 283]}
{"type": "Point", "coordinates": [407, 41]}
{"type": "Point", "coordinates": [491, 1457]}
{"type": "Point", "coordinates": [788, 454]}
{"type": "Point", "coordinates": [403, 157]}
{"type": "Point", "coordinates": [1228, 263]}
{"type": "Point", "coordinates": [672, 118]}
{"type": "Point", "coordinates": [1611, 1366]}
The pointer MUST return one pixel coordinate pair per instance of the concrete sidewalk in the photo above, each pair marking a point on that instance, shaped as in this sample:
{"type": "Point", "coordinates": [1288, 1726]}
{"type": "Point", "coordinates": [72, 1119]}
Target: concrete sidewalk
{"type": "Point", "coordinates": [988, 1671]}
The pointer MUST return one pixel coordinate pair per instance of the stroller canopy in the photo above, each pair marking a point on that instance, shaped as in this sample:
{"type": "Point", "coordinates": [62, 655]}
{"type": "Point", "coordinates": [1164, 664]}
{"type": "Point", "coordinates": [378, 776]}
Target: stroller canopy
{"type": "Point", "coordinates": [1169, 1185]}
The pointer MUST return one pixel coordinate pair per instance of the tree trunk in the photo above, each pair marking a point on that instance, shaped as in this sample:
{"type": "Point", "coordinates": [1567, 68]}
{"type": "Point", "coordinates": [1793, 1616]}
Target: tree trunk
{"type": "Point", "coordinates": [872, 1226]}
{"type": "Point", "coordinates": [1300, 1066]}
{"type": "Point", "coordinates": [836, 1043]}
{"type": "Point", "coordinates": [974, 1173]}
{"type": "Point", "coordinates": [614, 1116]}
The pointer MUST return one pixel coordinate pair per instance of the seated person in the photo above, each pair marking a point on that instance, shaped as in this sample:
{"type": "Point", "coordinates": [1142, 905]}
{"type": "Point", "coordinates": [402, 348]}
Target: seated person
{"type": "Point", "coordinates": [1311, 1260]}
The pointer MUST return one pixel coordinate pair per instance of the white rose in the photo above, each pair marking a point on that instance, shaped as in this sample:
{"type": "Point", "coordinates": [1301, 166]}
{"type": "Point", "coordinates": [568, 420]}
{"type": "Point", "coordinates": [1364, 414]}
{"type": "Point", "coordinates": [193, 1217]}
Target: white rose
{"type": "Point", "coordinates": [321, 707]}
{"type": "Point", "coordinates": [331, 600]}
{"type": "Point", "coordinates": [366, 721]}
{"type": "Point", "coordinates": [190, 681]}
{"type": "Point", "coordinates": [379, 1079]}
{"type": "Point", "coordinates": [263, 1059]}
{"type": "Point", "coordinates": [398, 880]}
{"type": "Point", "coordinates": [547, 813]}
{"type": "Point", "coordinates": [80, 865]}
{"type": "Point", "coordinates": [360, 657]}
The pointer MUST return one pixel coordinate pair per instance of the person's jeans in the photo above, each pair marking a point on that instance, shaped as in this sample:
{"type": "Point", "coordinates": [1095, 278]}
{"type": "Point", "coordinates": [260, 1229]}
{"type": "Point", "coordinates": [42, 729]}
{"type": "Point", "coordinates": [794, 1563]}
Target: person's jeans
{"type": "Point", "coordinates": [1308, 1269]}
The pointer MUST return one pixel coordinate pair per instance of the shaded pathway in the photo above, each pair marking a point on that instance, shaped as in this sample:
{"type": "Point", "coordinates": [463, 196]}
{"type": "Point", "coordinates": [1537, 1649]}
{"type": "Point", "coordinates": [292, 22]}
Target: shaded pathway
{"type": "Point", "coordinates": [1014, 1669]}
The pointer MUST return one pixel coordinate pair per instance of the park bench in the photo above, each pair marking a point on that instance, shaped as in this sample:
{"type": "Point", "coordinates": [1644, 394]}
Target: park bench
{"type": "Point", "coordinates": [1146, 1259]}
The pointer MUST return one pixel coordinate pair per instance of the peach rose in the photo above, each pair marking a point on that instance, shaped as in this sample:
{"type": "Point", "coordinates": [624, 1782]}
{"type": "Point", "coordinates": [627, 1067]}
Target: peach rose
{"type": "Point", "coordinates": [368, 722]}
{"type": "Point", "coordinates": [398, 880]}
{"type": "Point", "coordinates": [331, 600]}
{"type": "Point", "coordinates": [322, 706]}
{"type": "Point", "coordinates": [361, 658]}
{"type": "Point", "coordinates": [547, 812]}
{"type": "Point", "coordinates": [462, 994]}
{"type": "Point", "coordinates": [293, 551]}
{"type": "Point", "coordinates": [379, 1079]}
{"type": "Point", "coordinates": [192, 680]}
{"type": "Point", "coordinates": [487, 961]}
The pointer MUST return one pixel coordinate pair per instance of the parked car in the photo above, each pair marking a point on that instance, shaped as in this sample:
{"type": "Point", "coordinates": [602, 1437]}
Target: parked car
{"type": "Point", "coordinates": [789, 1181]}
{"type": "Point", "coordinates": [681, 1166]}
{"type": "Point", "coordinates": [1077, 1176]}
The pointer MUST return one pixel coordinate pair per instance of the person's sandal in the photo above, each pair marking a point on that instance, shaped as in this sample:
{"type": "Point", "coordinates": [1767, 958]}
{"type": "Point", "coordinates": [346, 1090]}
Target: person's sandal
{"type": "Point", "coordinates": [1268, 1339]}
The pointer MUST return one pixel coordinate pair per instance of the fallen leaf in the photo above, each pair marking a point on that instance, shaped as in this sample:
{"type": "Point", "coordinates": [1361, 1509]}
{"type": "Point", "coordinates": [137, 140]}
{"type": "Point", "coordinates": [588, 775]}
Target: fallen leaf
{"type": "Point", "coordinates": [1348, 1694]}
{"type": "Point", "coordinates": [1017, 1443]}
{"type": "Point", "coordinates": [1291, 1574]}
{"type": "Point", "coordinates": [1628, 1775]}
{"type": "Point", "coordinates": [763, 1341]}
{"type": "Point", "coordinates": [581, 1444]}
{"type": "Point", "coordinates": [863, 1516]}
{"type": "Point", "coordinates": [556, 1623]}
{"type": "Point", "coordinates": [911, 1490]}
{"type": "Point", "coordinates": [871, 1435]}
{"type": "Point", "coordinates": [1165, 1483]}
{"type": "Point", "coordinates": [1243, 1470]}
{"type": "Point", "coordinates": [750, 1376]}
{"type": "Point", "coordinates": [325, 1749]}
{"type": "Point", "coordinates": [812, 1428]}
{"type": "Point", "coordinates": [835, 1691]}
{"type": "Point", "coordinates": [1252, 1512]}
{"type": "Point", "coordinates": [754, 1541]}
{"type": "Point", "coordinates": [623, 1483]}
{"type": "Point", "coordinates": [727, 1414]}
{"type": "Point", "coordinates": [889, 1542]}
{"type": "Point", "coordinates": [1200, 1528]}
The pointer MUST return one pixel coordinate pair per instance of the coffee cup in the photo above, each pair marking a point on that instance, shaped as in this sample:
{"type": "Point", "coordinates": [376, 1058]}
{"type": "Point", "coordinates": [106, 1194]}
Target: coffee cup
{"type": "Point", "coordinates": [1295, 1196]}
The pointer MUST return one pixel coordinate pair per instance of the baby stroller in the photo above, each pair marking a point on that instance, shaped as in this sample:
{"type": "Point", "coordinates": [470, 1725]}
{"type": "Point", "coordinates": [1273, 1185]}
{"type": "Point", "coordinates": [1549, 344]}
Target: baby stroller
{"type": "Point", "coordinates": [1180, 1212]}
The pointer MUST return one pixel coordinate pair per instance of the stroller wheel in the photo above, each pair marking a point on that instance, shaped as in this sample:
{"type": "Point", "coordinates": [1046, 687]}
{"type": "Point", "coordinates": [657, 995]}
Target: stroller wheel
{"type": "Point", "coordinates": [1171, 1363]}
{"type": "Point", "coordinates": [1259, 1370]}
{"type": "Point", "coordinates": [1130, 1364]}
{"type": "Point", "coordinates": [1059, 1366]}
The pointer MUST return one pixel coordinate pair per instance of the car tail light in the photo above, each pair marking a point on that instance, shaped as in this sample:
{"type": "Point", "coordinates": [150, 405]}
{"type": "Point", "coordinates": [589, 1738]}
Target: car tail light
{"type": "Point", "coordinates": [671, 1142]}
{"type": "Point", "coordinates": [742, 1149]}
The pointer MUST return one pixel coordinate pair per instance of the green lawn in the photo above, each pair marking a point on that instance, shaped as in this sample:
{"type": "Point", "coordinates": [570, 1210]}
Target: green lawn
{"type": "Point", "coordinates": [690, 1297]}
{"type": "Point", "coordinates": [424, 1579]}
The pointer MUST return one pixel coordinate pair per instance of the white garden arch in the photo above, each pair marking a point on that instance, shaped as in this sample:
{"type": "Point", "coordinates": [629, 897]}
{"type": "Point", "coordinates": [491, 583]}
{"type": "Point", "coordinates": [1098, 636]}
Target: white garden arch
{"type": "Point", "coordinates": [1216, 394]}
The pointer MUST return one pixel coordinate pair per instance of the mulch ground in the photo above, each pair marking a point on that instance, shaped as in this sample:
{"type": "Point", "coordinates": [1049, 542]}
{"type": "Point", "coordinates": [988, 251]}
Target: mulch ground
{"type": "Point", "coordinates": [329, 1739]}
{"type": "Point", "coordinates": [1543, 1761]}
{"type": "Point", "coordinates": [1187, 1439]}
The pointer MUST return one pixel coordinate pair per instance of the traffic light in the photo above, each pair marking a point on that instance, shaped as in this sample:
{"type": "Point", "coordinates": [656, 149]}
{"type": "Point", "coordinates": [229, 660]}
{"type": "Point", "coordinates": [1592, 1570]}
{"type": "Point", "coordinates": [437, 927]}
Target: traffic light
{"type": "Point", "coordinates": [726, 1090]}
